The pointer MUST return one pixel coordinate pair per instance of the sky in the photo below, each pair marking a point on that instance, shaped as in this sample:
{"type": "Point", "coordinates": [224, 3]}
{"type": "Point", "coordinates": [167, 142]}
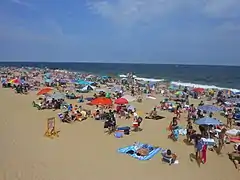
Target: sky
{"type": "Point", "coordinates": [125, 31]}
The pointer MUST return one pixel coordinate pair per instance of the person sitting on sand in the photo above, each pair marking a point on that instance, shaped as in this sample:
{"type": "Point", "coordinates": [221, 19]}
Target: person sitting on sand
{"type": "Point", "coordinates": [153, 113]}
{"type": "Point", "coordinates": [201, 103]}
{"type": "Point", "coordinates": [174, 124]}
{"type": "Point", "coordinates": [66, 117]}
{"type": "Point", "coordinates": [168, 155]}
{"type": "Point", "coordinates": [78, 115]}
{"type": "Point", "coordinates": [178, 112]}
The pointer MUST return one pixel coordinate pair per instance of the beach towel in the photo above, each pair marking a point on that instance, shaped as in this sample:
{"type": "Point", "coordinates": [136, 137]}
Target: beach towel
{"type": "Point", "coordinates": [130, 150]}
{"type": "Point", "coordinates": [235, 139]}
{"type": "Point", "coordinates": [233, 132]}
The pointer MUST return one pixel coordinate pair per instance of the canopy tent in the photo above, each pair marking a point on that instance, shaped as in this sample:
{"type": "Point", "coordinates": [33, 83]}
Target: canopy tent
{"type": "Point", "coordinates": [88, 88]}
{"type": "Point", "coordinates": [82, 82]}
{"type": "Point", "coordinates": [48, 80]}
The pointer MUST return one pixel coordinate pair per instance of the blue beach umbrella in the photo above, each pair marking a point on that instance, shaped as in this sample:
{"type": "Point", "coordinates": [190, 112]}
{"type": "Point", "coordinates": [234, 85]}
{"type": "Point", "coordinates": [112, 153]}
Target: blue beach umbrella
{"type": "Point", "coordinates": [209, 108]}
{"type": "Point", "coordinates": [207, 121]}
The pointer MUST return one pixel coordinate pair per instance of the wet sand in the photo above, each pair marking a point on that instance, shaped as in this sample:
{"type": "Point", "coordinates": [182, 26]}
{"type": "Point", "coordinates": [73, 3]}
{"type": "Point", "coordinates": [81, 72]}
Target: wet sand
{"type": "Point", "coordinates": [83, 151]}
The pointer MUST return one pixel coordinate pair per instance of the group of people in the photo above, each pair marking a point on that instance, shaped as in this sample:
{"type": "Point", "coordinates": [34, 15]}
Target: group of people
{"type": "Point", "coordinates": [75, 113]}
{"type": "Point", "coordinates": [51, 103]}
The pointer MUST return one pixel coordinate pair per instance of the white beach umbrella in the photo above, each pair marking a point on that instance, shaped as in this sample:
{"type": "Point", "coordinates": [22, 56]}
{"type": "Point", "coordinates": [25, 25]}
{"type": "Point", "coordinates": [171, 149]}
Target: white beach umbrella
{"type": "Point", "coordinates": [129, 98]}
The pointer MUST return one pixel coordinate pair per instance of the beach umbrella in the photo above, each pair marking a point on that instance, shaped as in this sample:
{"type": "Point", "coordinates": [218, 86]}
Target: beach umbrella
{"type": "Point", "coordinates": [44, 91]}
{"type": "Point", "coordinates": [198, 90]}
{"type": "Point", "coordinates": [58, 96]}
{"type": "Point", "coordinates": [209, 108]}
{"type": "Point", "coordinates": [14, 81]}
{"type": "Point", "coordinates": [116, 89]}
{"type": "Point", "coordinates": [129, 98]}
{"type": "Point", "coordinates": [121, 101]}
{"type": "Point", "coordinates": [150, 97]}
{"type": "Point", "coordinates": [101, 101]}
{"type": "Point", "coordinates": [207, 121]}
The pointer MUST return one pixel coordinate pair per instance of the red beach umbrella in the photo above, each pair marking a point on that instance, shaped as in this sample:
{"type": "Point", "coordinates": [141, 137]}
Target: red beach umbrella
{"type": "Point", "coordinates": [198, 90]}
{"type": "Point", "coordinates": [101, 101]}
{"type": "Point", "coordinates": [121, 101]}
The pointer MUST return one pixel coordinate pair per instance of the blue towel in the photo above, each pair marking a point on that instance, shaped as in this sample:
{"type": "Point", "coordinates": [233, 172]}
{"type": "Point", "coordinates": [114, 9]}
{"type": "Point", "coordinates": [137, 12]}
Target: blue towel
{"type": "Point", "coordinates": [152, 151]}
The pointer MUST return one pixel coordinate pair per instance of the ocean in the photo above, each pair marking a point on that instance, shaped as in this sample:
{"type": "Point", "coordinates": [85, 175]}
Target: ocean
{"type": "Point", "coordinates": [220, 76]}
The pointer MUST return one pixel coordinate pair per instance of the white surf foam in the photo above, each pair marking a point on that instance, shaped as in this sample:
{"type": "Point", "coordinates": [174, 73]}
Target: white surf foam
{"type": "Point", "coordinates": [203, 86]}
{"type": "Point", "coordinates": [178, 83]}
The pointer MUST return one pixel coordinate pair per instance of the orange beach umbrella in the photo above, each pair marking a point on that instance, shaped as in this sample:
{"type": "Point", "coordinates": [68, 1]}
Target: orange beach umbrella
{"type": "Point", "coordinates": [44, 91]}
{"type": "Point", "coordinates": [101, 101]}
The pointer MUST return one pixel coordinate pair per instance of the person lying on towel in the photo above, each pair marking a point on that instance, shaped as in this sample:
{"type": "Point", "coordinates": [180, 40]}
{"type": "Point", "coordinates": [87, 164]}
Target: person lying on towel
{"type": "Point", "coordinates": [142, 152]}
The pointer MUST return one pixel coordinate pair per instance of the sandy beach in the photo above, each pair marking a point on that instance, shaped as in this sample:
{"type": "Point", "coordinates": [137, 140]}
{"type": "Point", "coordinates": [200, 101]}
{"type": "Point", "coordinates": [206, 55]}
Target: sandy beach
{"type": "Point", "coordinates": [84, 151]}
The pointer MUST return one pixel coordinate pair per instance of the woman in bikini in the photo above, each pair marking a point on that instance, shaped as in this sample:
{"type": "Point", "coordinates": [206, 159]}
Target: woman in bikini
{"type": "Point", "coordinates": [221, 143]}
{"type": "Point", "coordinates": [229, 118]}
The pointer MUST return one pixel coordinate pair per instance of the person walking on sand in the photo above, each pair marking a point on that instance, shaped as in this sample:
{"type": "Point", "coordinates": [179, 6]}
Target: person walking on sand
{"type": "Point", "coordinates": [198, 148]}
{"type": "Point", "coordinates": [229, 118]}
{"type": "Point", "coordinates": [221, 143]}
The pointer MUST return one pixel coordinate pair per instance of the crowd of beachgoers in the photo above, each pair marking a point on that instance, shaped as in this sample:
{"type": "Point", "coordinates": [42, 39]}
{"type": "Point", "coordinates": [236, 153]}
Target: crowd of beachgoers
{"type": "Point", "coordinates": [208, 125]}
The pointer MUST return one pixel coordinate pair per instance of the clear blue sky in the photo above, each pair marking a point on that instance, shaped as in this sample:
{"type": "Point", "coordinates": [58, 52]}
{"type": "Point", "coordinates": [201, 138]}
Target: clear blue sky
{"type": "Point", "coordinates": [146, 31]}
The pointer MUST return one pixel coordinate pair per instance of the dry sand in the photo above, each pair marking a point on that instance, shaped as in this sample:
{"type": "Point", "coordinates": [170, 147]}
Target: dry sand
{"type": "Point", "coordinates": [83, 151]}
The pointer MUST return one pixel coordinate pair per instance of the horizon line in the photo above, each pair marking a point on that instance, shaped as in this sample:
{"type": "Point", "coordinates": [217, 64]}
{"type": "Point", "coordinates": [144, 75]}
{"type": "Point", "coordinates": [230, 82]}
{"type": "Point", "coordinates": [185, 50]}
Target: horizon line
{"type": "Point", "coordinates": [137, 63]}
